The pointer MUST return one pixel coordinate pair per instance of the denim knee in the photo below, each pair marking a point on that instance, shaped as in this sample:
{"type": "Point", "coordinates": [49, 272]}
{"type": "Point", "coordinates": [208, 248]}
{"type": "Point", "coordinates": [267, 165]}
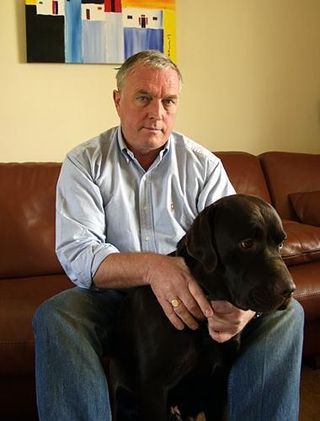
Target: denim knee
{"type": "Point", "coordinates": [80, 315]}
{"type": "Point", "coordinates": [299, 311]}
{"type": "Point", "coordinates": [295, 314]}
{"type": "Point", "coordinates": [46, 316]}
{"type": "Point", "coordinates": [41, 316]}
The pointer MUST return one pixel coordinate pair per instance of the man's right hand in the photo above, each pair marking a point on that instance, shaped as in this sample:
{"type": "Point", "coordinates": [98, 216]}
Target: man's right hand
{"type": "Point", "coordinates": [180, 296]}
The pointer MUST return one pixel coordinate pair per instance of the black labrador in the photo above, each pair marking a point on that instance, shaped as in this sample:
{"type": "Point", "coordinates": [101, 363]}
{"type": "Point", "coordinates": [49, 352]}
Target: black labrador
{"type": "Point", "coordinates": [160, 373]}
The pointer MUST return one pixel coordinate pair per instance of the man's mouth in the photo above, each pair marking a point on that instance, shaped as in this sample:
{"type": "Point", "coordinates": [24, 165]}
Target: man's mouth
{"type": "Point", "coordinates": [152, 129]}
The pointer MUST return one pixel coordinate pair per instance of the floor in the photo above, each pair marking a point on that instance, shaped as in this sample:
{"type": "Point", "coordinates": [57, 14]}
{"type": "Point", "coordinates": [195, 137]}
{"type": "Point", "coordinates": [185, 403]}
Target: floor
{"type": "Point", "coordinates": [310, 395]}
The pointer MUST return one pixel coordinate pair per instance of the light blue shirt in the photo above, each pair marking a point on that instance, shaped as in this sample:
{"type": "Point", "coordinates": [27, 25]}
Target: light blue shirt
{"type": "Point", "coordinates": [107, 203]}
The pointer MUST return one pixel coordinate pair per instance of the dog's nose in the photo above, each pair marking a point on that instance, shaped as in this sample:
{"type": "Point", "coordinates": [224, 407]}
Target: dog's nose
{"type": "Point", "coordinates": [288, 293]}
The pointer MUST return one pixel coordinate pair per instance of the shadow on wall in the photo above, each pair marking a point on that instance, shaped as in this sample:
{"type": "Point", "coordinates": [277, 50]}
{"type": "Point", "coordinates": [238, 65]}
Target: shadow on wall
{"type": "Point", "coordinates": [21, 30]}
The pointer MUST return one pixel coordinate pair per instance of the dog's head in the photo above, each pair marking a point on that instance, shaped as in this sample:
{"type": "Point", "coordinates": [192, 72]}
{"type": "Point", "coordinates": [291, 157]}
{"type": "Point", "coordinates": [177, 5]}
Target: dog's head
{"type": "Point", "coordinates": [235, 248]}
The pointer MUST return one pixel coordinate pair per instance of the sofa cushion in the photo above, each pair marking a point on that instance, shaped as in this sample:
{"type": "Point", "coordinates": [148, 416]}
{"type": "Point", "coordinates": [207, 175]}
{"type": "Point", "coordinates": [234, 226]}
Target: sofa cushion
{"type": "Point", "coordinates": [19, 300]}
{"type": "Point", "coordinates": [27, 223]}
{"type": "Point", "coordinates": [302, 244]}
{"type": "Point", "coordinates": [289, 172]}
{"type": "Point", "coordinates": [307, 206]}
{"type": "Point", "coordinates": [245, 173]}
{"type": "Point", "coordinates": [306, 278]}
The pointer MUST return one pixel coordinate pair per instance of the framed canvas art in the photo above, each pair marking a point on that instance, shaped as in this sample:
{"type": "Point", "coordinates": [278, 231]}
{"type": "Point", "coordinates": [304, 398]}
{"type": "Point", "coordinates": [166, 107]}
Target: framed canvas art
{"type": "Point", "coordinates": [98, 31]}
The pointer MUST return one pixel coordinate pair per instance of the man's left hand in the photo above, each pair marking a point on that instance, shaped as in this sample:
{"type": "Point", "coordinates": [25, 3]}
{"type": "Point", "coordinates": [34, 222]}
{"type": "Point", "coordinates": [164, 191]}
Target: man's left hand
{"type": "Point", "coordinates": [227, 320]}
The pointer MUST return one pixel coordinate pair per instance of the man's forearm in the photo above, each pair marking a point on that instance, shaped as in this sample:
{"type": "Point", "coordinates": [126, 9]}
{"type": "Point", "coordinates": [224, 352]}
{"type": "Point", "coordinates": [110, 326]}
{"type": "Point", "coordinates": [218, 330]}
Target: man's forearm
{"type": "Point", "coordinates": [169, 277]}
{"type": "Point", "coordinates": [125, 270]}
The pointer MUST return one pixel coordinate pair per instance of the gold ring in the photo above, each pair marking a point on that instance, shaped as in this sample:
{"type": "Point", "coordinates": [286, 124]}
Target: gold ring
{"type": "Point", "coordinates": [175, 302]}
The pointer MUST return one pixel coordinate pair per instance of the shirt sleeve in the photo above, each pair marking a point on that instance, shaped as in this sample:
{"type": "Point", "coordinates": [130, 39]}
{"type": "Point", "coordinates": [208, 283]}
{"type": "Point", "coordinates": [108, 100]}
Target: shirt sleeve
{"type": "Point", "coordinates": [217, 184]}
{"type": "Point", "coordinates": [80, 223]}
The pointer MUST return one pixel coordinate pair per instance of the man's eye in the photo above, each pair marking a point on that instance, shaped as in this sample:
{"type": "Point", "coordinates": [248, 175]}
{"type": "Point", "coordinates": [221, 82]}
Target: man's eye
{"type": "Point", "coordinates": [143, 99]}
{"type": "Point", "coordinates": [169, 101]}
{"type": "Point", "coordinates": [248, 243]}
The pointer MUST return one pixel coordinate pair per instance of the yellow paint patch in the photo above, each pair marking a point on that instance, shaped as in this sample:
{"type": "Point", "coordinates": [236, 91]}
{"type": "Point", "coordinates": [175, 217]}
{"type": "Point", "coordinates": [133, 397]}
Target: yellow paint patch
{"type": "Point", "coordinates": [170, 35]}
{"type": "Point", "coordinates": [150, 4]}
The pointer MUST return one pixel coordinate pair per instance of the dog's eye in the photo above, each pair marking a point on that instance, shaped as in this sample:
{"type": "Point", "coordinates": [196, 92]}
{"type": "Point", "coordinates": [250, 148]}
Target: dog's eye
{"type": "Point", "coordinates": [280, 245]}
{"type": "Point", "coordinates": [248, 243]}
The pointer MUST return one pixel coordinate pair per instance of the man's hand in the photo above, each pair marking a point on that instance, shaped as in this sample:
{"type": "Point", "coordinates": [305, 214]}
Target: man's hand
{"type": "Point", "coordinates": [171, 281]}
{"type": "Point", "coordinates": [227, 320]}
{"type": "Point", "coordinates": [169, 278]}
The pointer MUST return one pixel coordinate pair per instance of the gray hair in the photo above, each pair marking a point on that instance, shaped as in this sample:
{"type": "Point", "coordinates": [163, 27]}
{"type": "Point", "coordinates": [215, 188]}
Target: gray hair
{"type": "Point", "coordinates": [152, 58]}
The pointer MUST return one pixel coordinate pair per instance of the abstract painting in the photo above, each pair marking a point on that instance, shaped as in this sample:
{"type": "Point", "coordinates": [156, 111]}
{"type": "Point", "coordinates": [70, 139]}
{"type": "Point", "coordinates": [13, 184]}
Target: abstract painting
{"type": "Point", "coordinates": [98, 31]}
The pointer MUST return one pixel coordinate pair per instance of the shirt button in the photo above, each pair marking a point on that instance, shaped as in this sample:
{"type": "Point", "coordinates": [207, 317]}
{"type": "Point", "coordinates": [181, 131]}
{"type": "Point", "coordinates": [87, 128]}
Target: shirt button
{"type": "Point", "coordinates": [147, 238]}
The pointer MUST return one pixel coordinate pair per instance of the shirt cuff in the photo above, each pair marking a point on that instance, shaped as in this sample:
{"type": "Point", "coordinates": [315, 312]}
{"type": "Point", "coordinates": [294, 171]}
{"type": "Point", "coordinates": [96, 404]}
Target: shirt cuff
{"type": "Point", "coordinates": [100, 255]}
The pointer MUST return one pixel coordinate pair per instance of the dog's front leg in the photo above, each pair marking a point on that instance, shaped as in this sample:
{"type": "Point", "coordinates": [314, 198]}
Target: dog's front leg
{"type": "Point", "coordinates": [124, 405]}
{"type": "Point", "coordinates": [216, 402]}
{"type": "Point", "coordinates": [153, 403]}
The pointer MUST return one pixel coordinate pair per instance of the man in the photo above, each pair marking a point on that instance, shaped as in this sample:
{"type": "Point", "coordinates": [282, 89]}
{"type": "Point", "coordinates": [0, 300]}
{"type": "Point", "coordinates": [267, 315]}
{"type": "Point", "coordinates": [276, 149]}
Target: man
{"type": "Point", "coordinates": [124, 199]}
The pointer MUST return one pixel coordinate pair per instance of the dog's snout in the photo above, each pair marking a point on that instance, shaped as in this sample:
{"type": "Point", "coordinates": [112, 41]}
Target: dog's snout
{"type": "Point", "coordinates": [284, 285]}
{"type": "Point", "coordinates": [288, 293]}
{"type": "Point", "coordinates": [288, 290]}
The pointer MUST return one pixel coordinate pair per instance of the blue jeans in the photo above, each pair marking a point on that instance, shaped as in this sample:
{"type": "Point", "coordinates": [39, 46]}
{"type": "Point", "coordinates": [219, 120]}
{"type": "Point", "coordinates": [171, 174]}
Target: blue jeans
{"type": "Point", "coordinates": [74, 329]}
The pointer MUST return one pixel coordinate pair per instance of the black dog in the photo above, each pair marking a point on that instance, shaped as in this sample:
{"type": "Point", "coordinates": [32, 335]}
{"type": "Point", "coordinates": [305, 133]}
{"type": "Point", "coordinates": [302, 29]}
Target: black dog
{"type": "Point", "coordinates": [233, 251]}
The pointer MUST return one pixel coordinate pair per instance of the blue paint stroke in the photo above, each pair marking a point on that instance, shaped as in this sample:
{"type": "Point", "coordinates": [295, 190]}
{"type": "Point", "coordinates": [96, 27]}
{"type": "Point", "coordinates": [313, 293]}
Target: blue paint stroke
{"type": "Point", "coordinates": [114, 38]}
{"type": "Point", "coordinates": [136, 39]}
{"type": "Point", "coordinates": [73, 32]}
{"type": "Point", "coordinates": [94, 41]}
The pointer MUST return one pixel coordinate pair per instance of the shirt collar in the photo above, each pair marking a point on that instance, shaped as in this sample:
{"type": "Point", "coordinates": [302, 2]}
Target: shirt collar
{"type": "Point", "coordinates": [129, 156]}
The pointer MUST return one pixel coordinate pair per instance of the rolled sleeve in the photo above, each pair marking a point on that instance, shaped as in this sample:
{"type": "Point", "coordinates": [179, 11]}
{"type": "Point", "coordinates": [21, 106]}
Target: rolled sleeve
{"type": "Point", "coordinates": [81, 243]}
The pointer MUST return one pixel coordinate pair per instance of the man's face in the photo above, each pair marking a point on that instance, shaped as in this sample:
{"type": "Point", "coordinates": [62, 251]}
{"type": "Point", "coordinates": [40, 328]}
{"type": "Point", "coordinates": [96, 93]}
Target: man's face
{"type": "Point", "coordinates": [147, 107]}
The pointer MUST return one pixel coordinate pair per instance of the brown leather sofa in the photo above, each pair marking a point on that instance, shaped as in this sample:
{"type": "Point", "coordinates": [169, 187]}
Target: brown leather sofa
{"type": "Point", "coordinates": [30, 272]}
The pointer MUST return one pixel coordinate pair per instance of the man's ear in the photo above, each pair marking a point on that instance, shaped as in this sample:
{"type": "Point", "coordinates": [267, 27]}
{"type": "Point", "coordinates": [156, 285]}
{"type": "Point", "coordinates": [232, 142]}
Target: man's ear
{"type": "Point", "coordinates": [116, 98]}
{"type": "Point", "coordinates": [199, 241]}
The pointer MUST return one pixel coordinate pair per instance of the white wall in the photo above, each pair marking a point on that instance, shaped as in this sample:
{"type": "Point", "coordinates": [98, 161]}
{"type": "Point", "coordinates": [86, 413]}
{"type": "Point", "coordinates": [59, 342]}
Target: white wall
{"type": "Point", "coordinates": [251, 82]}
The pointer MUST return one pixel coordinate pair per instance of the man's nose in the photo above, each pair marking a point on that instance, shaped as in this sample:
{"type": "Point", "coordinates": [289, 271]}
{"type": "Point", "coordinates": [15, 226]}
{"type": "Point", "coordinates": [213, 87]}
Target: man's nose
{"type": "Point", "coordinates": [156, 109]}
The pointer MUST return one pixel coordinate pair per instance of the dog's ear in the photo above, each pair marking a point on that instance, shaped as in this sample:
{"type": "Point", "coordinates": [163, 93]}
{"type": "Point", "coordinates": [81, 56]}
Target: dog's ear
{"type": "Point", "coordinates": [199, 241]}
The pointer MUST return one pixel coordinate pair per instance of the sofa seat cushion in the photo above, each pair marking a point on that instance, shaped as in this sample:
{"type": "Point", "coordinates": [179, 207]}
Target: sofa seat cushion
{"type": "Point", "coordinates": [19, 299]}
{"type": "Point", "coordinates": [302, 244]}
{"type": "Point", "coordinates": [306, 278]}
{"type": "Point", "coordinates": [307, 207]}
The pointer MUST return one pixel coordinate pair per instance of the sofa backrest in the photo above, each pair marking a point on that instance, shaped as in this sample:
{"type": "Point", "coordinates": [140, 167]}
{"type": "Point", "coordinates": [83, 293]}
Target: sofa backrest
{"type": "Point", "coordinates": [27, 221]}
{"type": "Point", "coordinates": [245, 173]}
{"type": "Point", "coordinates": [287, 173]}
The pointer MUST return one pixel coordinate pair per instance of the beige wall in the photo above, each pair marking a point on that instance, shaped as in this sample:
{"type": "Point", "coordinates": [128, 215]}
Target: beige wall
{"type": "Point", "coordinates": [251, 71]}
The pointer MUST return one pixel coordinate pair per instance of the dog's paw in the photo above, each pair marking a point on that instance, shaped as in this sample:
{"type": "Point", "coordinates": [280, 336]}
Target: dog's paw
{"type": "Point", "coordinates": [175, 414]}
